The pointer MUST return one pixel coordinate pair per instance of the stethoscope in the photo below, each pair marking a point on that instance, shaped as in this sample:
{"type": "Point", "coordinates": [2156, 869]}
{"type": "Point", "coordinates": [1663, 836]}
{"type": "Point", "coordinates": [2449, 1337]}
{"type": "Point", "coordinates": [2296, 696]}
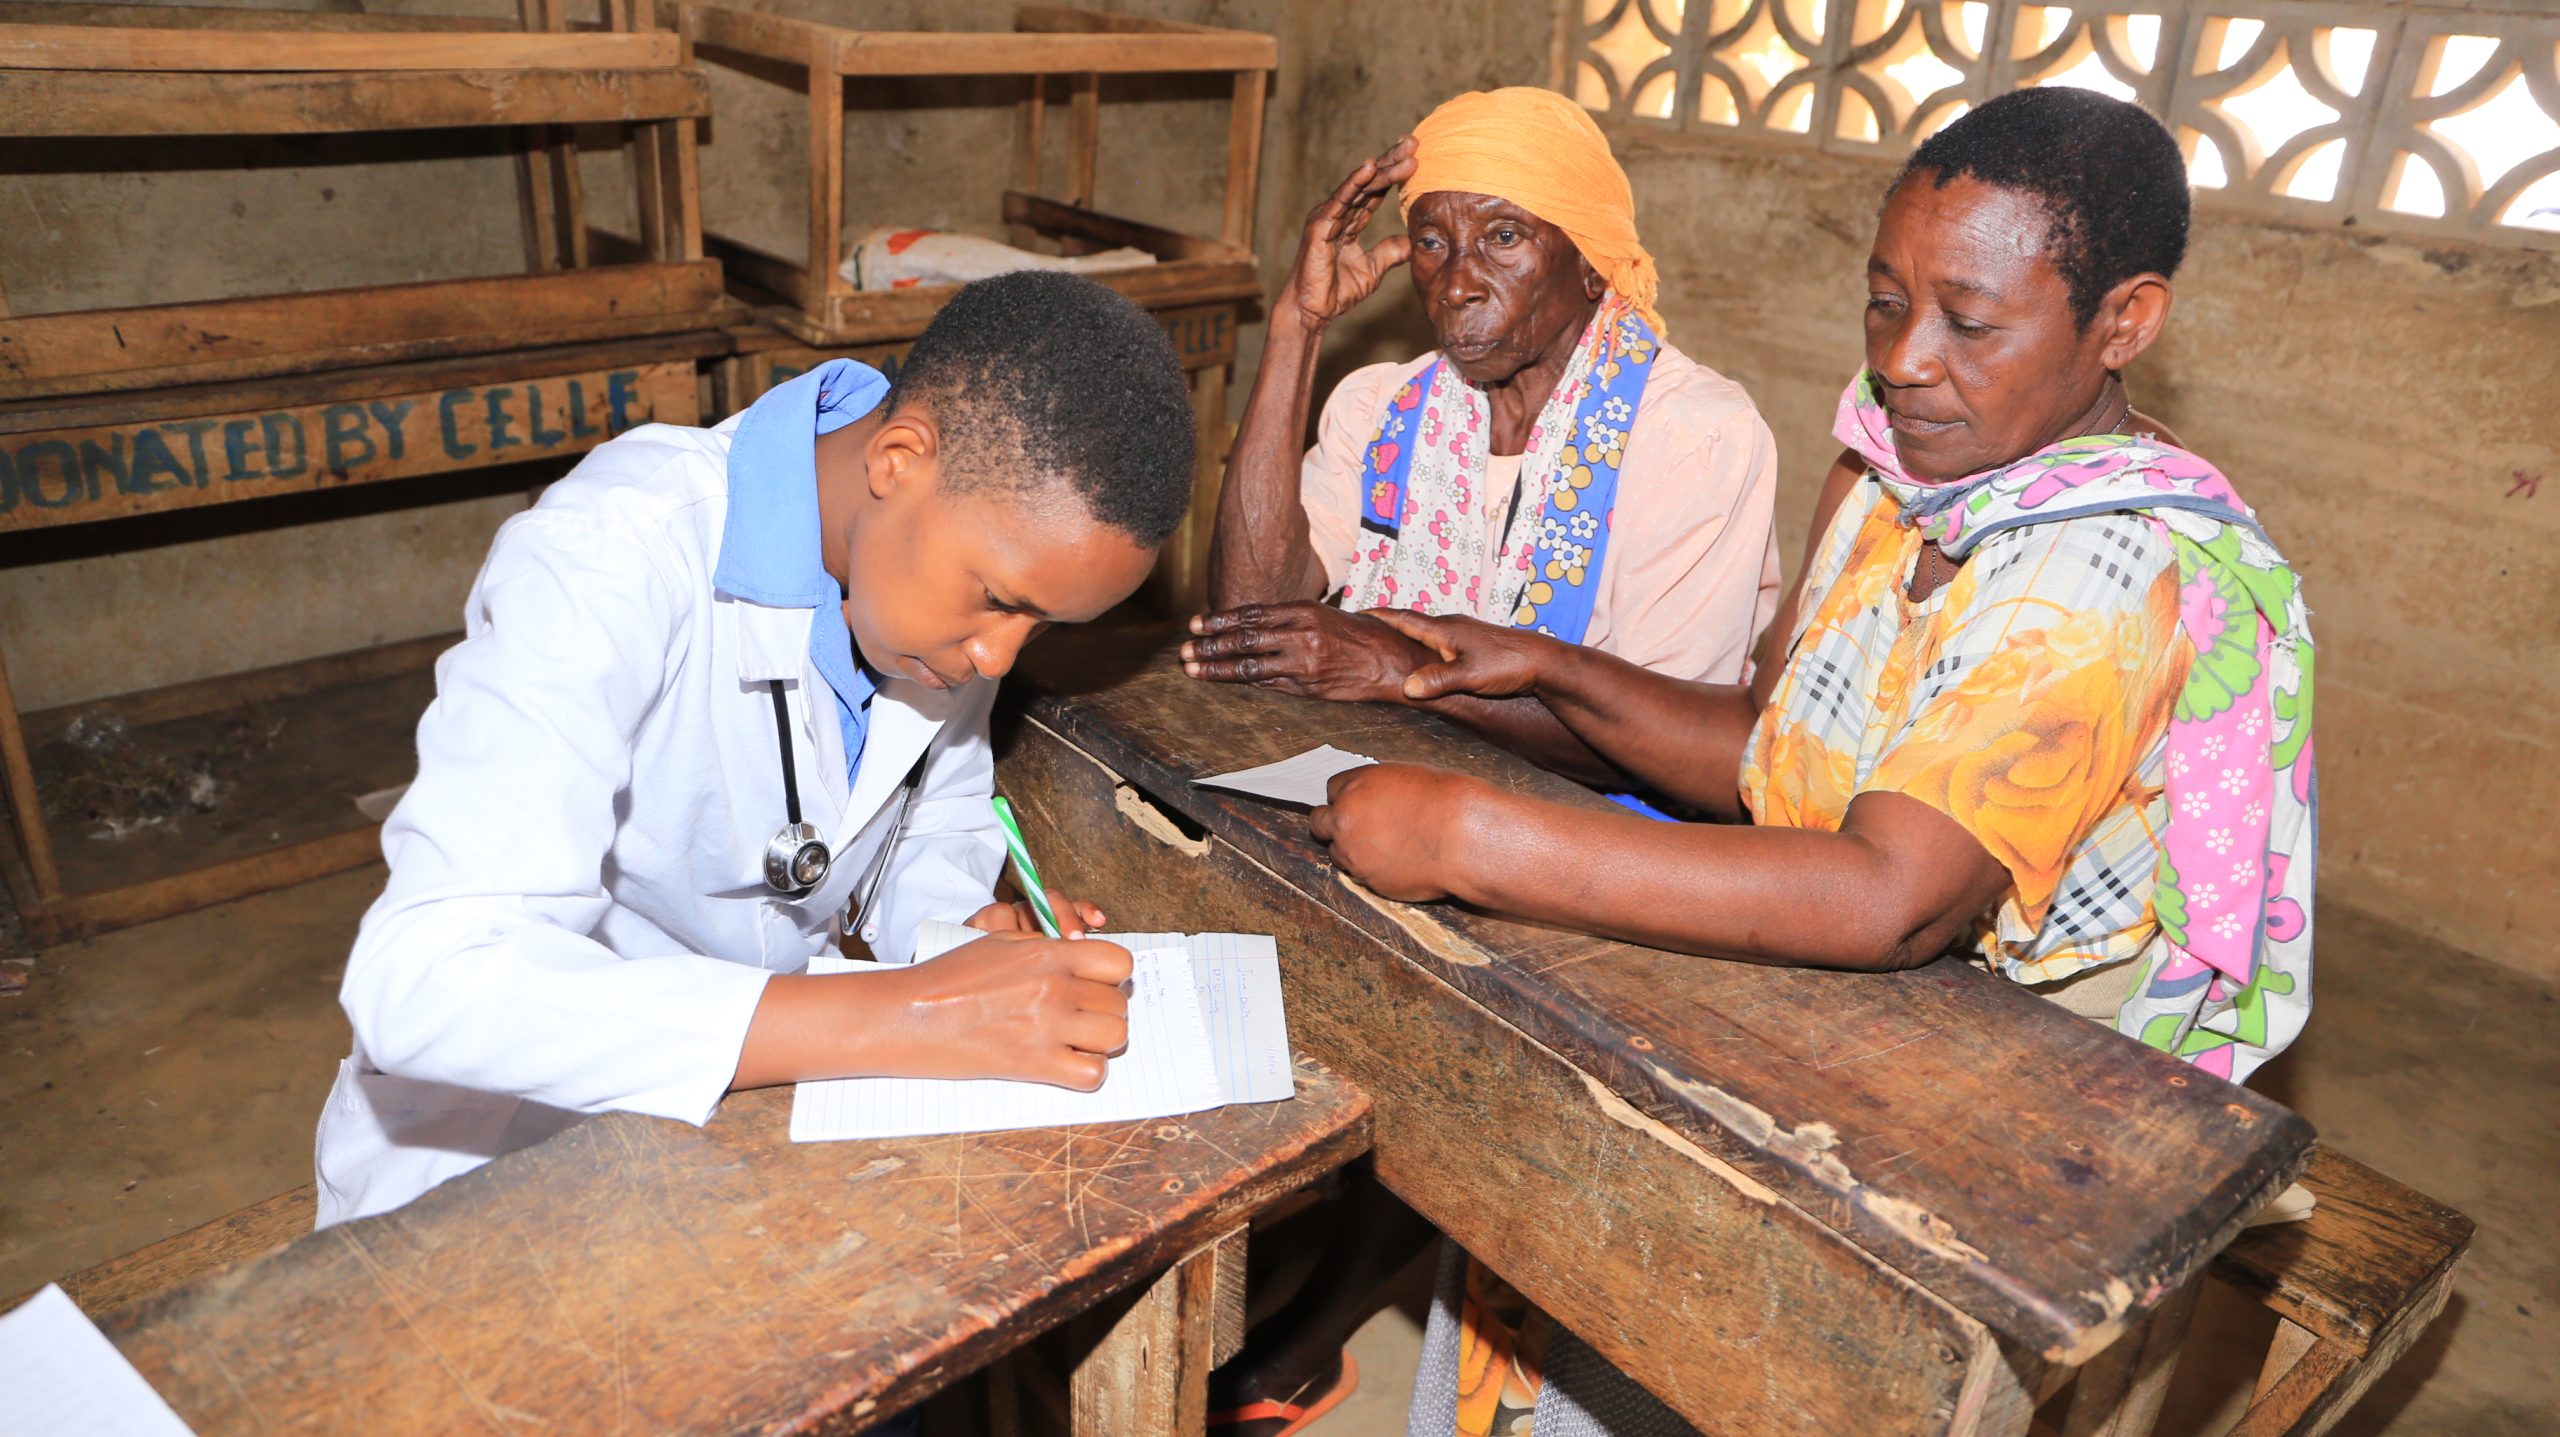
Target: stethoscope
{"type": "Point", "coordinates": [797, 859]}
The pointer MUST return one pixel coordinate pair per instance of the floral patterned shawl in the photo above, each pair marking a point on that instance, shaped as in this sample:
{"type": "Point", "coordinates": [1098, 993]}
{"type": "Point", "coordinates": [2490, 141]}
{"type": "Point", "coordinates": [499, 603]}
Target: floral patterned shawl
{"type": "Point", "coordinates": [2231, 985]}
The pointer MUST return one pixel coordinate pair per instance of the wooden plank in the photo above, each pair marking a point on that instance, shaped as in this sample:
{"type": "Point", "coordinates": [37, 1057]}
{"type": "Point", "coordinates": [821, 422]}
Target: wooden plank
{"type": "Point", "coordinates": [885, 52]}
{"type": "Point", "coordinates": [147, 1272]}
{"type": "Point", "coordinates": [76, 476]}
{"type": "Point", "coordinates": [271, 684]}
{"type": "Point", "coordinates": [281, 334]}
{"type": "Point", "coordinates": [83, 47]}
{"type": "Point", "coordinates": [2119, 1394]}
{"type": "Point", "coordinates": [1029, 159]}
{"type": "Point", "coordinates": [538, 195]}
{"type": "Point", "coordinates": [612, 1265]}
{"type": "Point", "coordinates": [293, 757]}
{"type": "Point", "coordinates": [1084, 137]}
{"type": "Point", "coordinates": [1860, 1097]}
{"type": "Point", "coordinates": [778, 38]}
{"type": "Point", "coordinates": [1244, 159]}
{"type": "Point", "coordinates": [1144, 1364]}
{"type": "Point", "coordinates": [369, 382]}
{"type": "Point", "coordinates": [1111, 231]}
{"type": "Point", "coordinates": [2325, 1384]}
{"type": "Point", "coordinates": [745, 266]}
{"type": "Point", "coordinates": [85, 915]}
{"type": "Point", "coordinates": [680, 183]}
{"type": "Point", "coordinates": [1610, 1220]}
{"type": "Point", "coordinates": [26, 806]}
{"type": "Point", "coordinates": [875, 316]}
{"type": "Point", "coordinates": [2344, 1271]}
{"type": "Point", "coordinates": [47, 104]}
{"type": "Point", "coordinates": [1230, 1272]}
{"type": "Point", "coordinates": [1061, 19]}
{"type": "Point", "coordinates": [1203, 338]}
{"type": "Point", "coordinates": [225, 17]}
{"type": "Point", "coordinates": [819, 281]}
{"type": "Point", "coordinates": [1180, 584]}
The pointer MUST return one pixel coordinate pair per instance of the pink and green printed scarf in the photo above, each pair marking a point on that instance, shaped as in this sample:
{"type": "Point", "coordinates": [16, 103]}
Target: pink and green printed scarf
{"type": "Point", "coordinates": [2231, 984]}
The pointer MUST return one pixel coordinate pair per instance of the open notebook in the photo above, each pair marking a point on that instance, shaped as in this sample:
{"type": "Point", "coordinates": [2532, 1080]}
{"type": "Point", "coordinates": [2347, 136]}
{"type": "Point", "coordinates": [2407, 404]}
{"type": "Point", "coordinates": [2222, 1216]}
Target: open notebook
{"type": "Point", "coordinates": [1205, 1030]}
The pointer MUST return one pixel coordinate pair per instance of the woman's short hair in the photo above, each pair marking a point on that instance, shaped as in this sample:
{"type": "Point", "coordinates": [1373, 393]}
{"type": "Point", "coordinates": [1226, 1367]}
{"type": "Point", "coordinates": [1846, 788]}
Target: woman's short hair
{"type": "Point", "coordinates": [2110, 178]}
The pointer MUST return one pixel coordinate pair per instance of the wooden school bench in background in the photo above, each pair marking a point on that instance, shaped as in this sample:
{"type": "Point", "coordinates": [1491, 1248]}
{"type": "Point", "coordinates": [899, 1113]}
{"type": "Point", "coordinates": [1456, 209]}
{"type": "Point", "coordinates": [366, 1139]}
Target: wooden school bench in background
{"type": "Point", "coordinates": [109, 414]}
{"type": "Point", "coordinates": [636, 1275]}
{"type": "Point", "coordinates": [1785, 1200]}
{"type": "Point", "coordinates": [1199, 287]}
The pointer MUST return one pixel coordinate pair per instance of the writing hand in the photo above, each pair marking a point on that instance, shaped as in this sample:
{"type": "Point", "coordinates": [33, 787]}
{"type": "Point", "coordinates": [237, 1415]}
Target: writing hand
{"type": "Point", "coordinates": [1018, 1005]}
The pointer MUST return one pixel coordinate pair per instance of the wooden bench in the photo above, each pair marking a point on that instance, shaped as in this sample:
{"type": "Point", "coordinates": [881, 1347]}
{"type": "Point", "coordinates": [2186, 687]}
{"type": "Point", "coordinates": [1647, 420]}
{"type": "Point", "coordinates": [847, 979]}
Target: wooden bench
{"type": "Point", "coordinates": [109, 414]}
{"type": "Point", "coordinates": [1201, 282]}
{"type": "Point", "coordinates": [639, 1275]}
{"type": "Point", "coordinates": [1784, 1200]}
{"type": "Point", "coordinates": [2352, 1286]}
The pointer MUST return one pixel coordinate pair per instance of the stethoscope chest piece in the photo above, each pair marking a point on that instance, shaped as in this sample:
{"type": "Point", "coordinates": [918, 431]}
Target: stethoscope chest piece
{"type": "Point", "coordinates": [796, 861]}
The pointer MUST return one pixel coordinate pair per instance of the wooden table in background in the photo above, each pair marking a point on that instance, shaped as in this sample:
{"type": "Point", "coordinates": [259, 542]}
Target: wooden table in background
{"type": "Point", "coordinates": [1785, 1200]}
{"type": "Point", "coordinates": [634, 1275]}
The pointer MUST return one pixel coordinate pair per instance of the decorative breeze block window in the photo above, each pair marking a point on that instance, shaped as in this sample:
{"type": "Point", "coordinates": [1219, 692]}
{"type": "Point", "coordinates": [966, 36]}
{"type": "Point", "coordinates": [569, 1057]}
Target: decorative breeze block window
{"type": "Point", "coordinates": [2438, 120]}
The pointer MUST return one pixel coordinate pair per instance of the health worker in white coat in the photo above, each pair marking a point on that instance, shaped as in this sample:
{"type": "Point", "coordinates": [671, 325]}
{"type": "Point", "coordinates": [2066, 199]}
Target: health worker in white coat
{"type": "Point", "coordinates": [700, 638]}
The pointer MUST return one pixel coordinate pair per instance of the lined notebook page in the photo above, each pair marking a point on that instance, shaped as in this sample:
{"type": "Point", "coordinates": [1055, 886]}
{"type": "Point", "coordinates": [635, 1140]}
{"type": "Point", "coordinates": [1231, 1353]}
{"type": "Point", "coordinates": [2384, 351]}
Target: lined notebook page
{"type": "Point", "coordinates": [59, 1374]}
{"type": "Point", "coordinates": [1166, 1070]}
{"type": "Point", "coordinates": [1238, 978]}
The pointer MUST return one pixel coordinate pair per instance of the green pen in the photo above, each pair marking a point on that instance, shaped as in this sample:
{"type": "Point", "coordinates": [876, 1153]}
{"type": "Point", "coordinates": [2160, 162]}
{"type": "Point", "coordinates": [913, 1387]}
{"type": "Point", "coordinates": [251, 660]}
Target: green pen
{"type": "Point", "coordinates": [1023, 871]}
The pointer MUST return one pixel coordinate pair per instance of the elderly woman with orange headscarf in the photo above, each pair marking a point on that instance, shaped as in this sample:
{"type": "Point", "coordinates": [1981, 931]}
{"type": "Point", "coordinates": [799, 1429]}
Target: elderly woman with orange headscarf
{"type": "Point", "coordinates": [1554, 465]}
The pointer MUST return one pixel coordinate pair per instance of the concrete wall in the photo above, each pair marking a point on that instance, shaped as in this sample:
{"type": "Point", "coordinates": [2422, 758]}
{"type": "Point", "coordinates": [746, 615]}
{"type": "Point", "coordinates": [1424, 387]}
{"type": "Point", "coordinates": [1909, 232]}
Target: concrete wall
{"type": "Point", "coordinates": [2385, 405]}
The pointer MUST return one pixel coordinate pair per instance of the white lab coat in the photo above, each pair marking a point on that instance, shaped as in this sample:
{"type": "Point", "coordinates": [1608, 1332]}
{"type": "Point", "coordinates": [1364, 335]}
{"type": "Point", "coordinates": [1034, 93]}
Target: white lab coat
{"type": "Point", "coordinates": [576, 920]}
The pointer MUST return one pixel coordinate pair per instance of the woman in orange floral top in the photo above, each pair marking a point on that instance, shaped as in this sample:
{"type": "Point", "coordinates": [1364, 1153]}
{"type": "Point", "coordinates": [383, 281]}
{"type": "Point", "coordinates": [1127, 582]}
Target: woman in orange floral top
{"type": "Point", "coordinates": [2042, 696]}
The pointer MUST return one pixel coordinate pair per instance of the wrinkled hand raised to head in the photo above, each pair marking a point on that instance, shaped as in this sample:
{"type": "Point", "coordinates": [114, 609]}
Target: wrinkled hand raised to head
{"type": "Point", "coordinates": [1332, 273]}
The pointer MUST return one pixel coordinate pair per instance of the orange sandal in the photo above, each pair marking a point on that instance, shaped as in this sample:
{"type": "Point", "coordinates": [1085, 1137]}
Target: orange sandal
{"type": "Point", "coordinates": [1299, 1417]}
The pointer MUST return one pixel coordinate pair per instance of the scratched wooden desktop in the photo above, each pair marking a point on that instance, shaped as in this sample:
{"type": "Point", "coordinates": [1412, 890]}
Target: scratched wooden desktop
{"type": "Point", "coordinates": [1787, 1201]}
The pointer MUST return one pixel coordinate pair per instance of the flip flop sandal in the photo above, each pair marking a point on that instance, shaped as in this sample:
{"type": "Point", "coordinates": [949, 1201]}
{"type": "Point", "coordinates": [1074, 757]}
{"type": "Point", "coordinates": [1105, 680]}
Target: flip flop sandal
{"type": "Point", "coordinates": [1298, 1416]}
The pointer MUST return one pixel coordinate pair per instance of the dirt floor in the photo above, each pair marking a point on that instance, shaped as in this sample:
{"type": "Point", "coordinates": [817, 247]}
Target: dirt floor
{"type": "Point", "coordinates": [154, 1079]}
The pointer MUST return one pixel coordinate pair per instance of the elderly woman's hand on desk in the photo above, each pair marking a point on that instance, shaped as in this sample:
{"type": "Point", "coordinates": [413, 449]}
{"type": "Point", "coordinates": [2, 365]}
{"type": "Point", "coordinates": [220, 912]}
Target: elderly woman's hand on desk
{"type": "Point", "coordinates": [1474, 657]}
{"type": "Point", "coordinates": [1311, 650]}
{"type": "Point", "coordinates": [1403, 828]}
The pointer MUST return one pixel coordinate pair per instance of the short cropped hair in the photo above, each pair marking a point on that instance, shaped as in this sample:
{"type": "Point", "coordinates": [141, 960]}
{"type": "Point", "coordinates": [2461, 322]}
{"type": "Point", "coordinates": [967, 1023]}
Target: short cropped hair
{"type": "Point", "coordinates": [2110, 178]}
{"type": "Point", "coordinates": [1042, 378]}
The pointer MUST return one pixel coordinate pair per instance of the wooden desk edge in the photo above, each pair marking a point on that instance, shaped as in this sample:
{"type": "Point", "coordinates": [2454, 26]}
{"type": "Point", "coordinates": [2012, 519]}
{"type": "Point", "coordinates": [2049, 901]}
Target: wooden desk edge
{"type": "Point", "coordinates": [2062, 1328]}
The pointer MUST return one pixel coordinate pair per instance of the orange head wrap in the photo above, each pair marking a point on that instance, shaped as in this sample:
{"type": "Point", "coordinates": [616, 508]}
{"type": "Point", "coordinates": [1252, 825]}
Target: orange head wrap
{"type": "Point", "coordinates": [1541, 152]}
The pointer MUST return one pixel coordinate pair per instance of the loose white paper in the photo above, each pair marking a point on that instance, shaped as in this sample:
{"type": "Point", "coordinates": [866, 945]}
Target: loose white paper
{"type": "Point", "coordinates": [59, 1374]}
{"type": "Point", "coordinates": [1300, 778]}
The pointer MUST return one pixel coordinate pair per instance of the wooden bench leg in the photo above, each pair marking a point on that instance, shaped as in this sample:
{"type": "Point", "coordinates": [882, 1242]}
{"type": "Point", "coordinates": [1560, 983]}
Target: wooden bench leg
{"type": "Point", "coordinates": [2119, 1394]}
{"type": "Point", "coordinates": [1146, 1357]}
{"type": "Point", "coordinates": [2305, 1393]}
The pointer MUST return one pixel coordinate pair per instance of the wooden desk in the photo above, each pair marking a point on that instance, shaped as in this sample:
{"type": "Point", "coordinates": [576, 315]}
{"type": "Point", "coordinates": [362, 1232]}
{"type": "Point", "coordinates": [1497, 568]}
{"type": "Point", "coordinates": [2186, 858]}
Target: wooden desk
{"type": "Point", "coordinates": [635, 1275]}
{"type": "Point", "coordinates": [1787, 1201]}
